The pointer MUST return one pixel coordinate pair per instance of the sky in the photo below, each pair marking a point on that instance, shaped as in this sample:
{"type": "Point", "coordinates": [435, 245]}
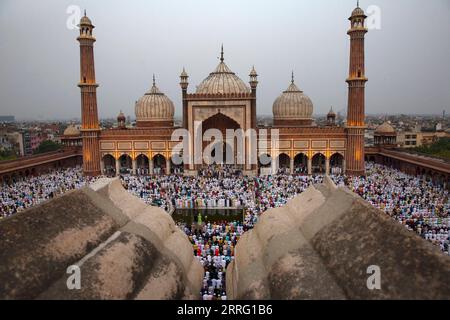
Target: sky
{"type": "Point", "coordinates": [407, 52]}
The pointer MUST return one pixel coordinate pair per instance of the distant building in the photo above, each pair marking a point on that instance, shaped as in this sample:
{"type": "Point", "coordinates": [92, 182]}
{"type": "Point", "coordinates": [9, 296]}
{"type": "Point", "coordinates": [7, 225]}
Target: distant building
{"type": "Point", "coordinates": [26, 138]}
{"type": "Point", "coordinates": [71, 137]}
{"type": "Point", "coordinates": [11, 140]}
{"type": "Point", "coordinates": [385, 135]}
{"type": "Point", "coordinates": [37, 138]}
{"type": "Point", "coordinates": [369, 138]}
{"type": "Point", "coordinates": [16, 141]}
{"type": "Point", "coordinates": [31, 140]}
{"type": "Point", "coordinates": [408, 139]}
{"type": "Point", "coordinates": [412, 139]}
{"type": "Point", "coordinates": [7, 119]}
{"type": "Point", "coordinates": [5, 144]}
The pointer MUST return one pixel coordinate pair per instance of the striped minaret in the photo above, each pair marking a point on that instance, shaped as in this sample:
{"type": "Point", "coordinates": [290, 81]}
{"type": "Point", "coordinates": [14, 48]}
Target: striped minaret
{"type": "Point", "coordinates": [89, 116]}
{"type": "Point", "coordinates": [356, 96]}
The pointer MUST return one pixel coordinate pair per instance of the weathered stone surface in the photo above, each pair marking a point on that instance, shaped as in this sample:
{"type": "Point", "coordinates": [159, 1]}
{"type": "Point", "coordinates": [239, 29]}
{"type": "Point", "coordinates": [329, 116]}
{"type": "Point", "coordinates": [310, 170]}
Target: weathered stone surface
{"type": "Point", "coordinates": [37, 246]}
{"type": "Point", "coordinates": [320, 245]}
{"type": "Point", "coordinates": [124, 249]}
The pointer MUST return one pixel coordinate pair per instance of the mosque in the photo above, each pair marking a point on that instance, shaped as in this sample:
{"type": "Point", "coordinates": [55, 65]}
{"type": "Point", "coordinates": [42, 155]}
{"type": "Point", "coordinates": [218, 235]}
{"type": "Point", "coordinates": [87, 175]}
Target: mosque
{"type": "Point", "coordinates": [224, 101]}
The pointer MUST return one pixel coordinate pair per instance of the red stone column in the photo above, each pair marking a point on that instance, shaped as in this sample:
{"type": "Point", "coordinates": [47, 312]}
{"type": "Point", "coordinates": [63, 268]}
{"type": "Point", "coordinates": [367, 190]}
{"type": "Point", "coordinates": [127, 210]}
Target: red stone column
{"type": "Point", "coordinates": [355, 165]}
{"type": "Point", "coordinates": [90, 129]}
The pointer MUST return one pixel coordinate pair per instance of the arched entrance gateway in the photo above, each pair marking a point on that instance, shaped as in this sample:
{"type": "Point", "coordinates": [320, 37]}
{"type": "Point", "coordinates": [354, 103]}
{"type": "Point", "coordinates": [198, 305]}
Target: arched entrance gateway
{"type": "Point", "coordinates": [221, 153]}
{"type": "Point", "coordinates": [318, 164]}
{"type": "Point", "coordinates": [337, 164]}
{"type": "Point", "coordinates": [301, 164]}
{"type": "Point", "coordinates": [125, 163]}
{"type": "Point", "coordinates": [142, 165]}
{"type": "Point", "coordinates": [265, 164]}
{"type": "Point", "coordinates": [284, 162]}
{"type": "Point", "coordinates": [159, 164]}
{"type": "Point", "coordinates": [176, 164]}
{"type": "Point", "coordinates": [227, 148]}
{"type": "Point", "coordinates": [109, 165]}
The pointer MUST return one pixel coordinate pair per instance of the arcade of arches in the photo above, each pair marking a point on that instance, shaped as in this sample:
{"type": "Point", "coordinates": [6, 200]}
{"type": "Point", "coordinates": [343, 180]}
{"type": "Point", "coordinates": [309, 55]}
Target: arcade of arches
{"type": "Point", "coordinates": [302, 164]}
{"type": "Point", "coordinates": [141, 164]}
{"type": "Point", "coordinates": [160, 164]}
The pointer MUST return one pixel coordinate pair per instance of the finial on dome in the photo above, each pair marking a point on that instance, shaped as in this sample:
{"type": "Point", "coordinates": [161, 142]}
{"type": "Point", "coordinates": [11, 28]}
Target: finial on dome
{"type": "Point", "coordinates": [292, 77]}
{"type": "Point", "coordinates": [154, 81]}
{"type": "Point", "coordinates": [183, 73]}
{"type": "Point", "coordinates": [331, 113]}
{"type": "Point", "coordinates": [121, 115]}
{"type": "Point", "coordinates": [85, 12]}
{"type": "Point", "coordinates": [221, 54]}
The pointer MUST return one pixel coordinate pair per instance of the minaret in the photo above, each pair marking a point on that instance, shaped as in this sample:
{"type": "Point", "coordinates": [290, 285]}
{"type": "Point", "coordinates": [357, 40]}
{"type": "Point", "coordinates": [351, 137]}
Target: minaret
{"type": "Point", "coordinates": [121, 121]}
{"type": "Point", "coordinates": [356, 95]}
{"type": "Point", "coordinates": [90, 129]}
{"type": "Point", "coordinates": [184, 85]}
{"type": "Point", "coordinates": [331, 118]}
{"type": "Point", "coordinates": [253, 84]}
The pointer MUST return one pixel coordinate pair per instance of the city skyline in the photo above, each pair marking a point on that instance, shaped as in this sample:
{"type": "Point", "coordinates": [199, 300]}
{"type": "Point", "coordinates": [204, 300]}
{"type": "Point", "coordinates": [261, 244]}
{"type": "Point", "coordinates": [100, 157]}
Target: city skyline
{"type": "Point", "coordinates": [43, 85]}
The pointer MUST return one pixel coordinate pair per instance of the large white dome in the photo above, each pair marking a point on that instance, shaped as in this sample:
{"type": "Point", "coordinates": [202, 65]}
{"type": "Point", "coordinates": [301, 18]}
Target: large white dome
{"type": "Point", "coordinates": [154, 106]}
{"type": "Point", "coordinates": [222, 80]}
{"type": "Point", "coordinates": [293, 104]}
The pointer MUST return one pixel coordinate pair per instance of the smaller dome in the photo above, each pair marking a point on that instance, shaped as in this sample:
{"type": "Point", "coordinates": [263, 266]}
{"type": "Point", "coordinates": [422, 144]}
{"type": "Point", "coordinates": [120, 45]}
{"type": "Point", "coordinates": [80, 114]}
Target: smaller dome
{"type": "Point", "coordinates": [222, 80]}
{"type": "Point", "coordinates": [293, 104]}
{"type": "Point", "coordinates": [183, 73]}
{"type": "Point", "coordinates": [154, 106]}
{"type": "Point", "coordinates": [121, 116]}
{"type": "Point", "coordinates": [358, 12]}
{"type": "Point", "coordinates": [385, 128]}
{"type": "Point", "coordinates": [253, 72]}
{"type": "Point", "coordinates": [331, 113]}
{"type": "Point", "coordinates": [72, 131]}
{"type": "Point", "coordinates": [85, 21]}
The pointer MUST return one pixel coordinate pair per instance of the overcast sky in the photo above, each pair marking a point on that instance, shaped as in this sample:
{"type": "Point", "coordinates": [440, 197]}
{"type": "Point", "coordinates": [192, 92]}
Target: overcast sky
{"type": "Point", "coordinates": [407, 60]}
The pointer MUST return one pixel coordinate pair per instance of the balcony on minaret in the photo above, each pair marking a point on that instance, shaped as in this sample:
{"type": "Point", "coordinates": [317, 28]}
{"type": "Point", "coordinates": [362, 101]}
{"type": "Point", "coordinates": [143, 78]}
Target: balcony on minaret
{"type": "Point", "coordinates": [86, 27]}
{"type": "Point", "coordinates": [253, 78]}
{"type": "Point", "coordinates": [357, 20]}
{"type": "Point", "coordinates": [184, 83]}
{"type": "Point", "coordinates": [357, 76]}
{"type": "Point", "coordinates": [86, 40]}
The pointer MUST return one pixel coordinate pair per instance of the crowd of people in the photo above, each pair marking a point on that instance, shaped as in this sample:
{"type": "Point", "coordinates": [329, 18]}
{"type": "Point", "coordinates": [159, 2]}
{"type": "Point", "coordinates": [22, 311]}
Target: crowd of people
{"type": "Point", "coordinates": [224, 189]}
{"type": "Point", "coordinates": [213, 245]}
{"type": "Point", "coordinates": [415, 202]}
{"type": "Point", "coordinates": [29, 191]}
{"type": "Point", "coordinates": [217, 187]}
